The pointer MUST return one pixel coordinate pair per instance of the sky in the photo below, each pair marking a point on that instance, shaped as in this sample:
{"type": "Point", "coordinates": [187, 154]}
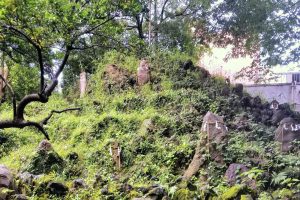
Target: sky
{"type": "Point", "coordinates": [215, 64]}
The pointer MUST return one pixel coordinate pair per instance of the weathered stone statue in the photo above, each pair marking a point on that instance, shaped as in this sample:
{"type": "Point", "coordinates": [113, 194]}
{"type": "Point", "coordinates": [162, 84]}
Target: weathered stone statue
{"type": "Point", "coordinates": [274, 105]}
{"type": "Point", "coordinates": [287, 132]}
{"type": "Point", "coordinates": [213, 131]}
{"type": "Point", "coordinates": [143, 72]}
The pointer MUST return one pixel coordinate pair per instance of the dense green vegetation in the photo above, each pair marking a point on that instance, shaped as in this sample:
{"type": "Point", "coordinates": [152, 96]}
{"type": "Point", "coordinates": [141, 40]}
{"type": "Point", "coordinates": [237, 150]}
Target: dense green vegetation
{"type": "Point", "coordinates": [157, 126]}
{"type": "Point", "coordinates": [132, 135]}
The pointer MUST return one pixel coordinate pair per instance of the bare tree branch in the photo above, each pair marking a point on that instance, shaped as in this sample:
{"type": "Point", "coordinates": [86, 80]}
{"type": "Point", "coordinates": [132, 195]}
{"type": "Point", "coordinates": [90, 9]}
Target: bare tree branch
{"type": "Point", "coordinates": [45, 121]}
{"type": "Point", "coordinates": [23, 124]}
{"type": "Point", "coordinates": [45, 91]}
{"type": "Point", "coordinates": [163, 10]}
{"type": "Point", "coordinates": [97, 26]}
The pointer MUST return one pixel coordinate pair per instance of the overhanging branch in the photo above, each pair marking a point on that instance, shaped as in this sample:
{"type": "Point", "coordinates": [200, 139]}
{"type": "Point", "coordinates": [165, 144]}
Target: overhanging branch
{"type": "Point", "coordinates": [45, 121]}
{"type": "Point", "coordinates": [23, 124]}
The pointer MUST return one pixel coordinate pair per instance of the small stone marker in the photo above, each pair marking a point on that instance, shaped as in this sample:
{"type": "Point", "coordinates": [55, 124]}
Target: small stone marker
{"type": "Point", "coordinates": [213, 125]}
{"type": "Point", "coordinates": [45, 145]}
{"type": "Point", "coordinates": [274, 105]}
{"type": "Point", "coordinates": [115, 152]}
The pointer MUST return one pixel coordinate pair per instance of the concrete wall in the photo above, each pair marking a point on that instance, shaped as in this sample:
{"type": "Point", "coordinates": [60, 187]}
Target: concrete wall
{"type": "Point", "coordinates": [283, 93]}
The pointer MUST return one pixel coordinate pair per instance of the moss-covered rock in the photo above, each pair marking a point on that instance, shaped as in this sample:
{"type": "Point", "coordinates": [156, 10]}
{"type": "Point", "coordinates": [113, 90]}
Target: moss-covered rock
{"type": "Point", "coordinates": [246, 197]}
{"type": "Point", "coordinates": [183, 194]}
{"type": "Point", "coordinates": [44, 162]}
{"type": "Point", "coordinates": [236, 191]}
{"type": "Point", "coordinates": [283, 194]}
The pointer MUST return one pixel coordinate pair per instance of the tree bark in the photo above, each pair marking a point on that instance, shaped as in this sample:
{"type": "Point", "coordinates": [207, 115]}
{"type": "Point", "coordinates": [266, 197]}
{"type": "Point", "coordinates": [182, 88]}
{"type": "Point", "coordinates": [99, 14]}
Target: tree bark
{"type": "Point", "coordinates": [4, 73]}
{"type": "Point", "coordinates": [45, 91]}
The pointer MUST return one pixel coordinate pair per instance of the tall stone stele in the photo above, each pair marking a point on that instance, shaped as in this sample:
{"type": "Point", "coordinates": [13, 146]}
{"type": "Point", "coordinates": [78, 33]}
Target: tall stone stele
{"type": "Point", "coordinates": [82, 83]}
{"type": "Point", "coordinates": [287, 132]}
{"type": "Point", "coordinates": [143, 72]}
{"type": "Point", "coordinates": [213, 133]}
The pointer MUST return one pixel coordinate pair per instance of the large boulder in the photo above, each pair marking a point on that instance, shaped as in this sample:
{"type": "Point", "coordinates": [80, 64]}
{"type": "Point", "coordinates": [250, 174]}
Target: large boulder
{"type": "Point", "coordinates": [238, 89]}
{"type": "Point", "coordinates": [143, 72]}
{"type": "Point", "coordinates": [241, 123]}
{"type": "Point", "coordinates": [6, 177]}
{"type": "Point", "coordinates": [156, 193]}
{"type": "Point", "coordinates": [11, 188]}
{"type": "Point", "coordinates": [56, 188]}
{"type": "Point", "coordinates": [6, 183]}
{"type": "Point", "coordinates": [233, 173]}
{"type": "Point", "coordinates": [187, 65]}
{"type": "Point", "coordinates": [278, 116]}
{"type": "Point", "coordinates": [28, 178]}
{"type": "Point", "coordinates": [256, 102]}
{"type": "Point", "coordinates": [287, 132]}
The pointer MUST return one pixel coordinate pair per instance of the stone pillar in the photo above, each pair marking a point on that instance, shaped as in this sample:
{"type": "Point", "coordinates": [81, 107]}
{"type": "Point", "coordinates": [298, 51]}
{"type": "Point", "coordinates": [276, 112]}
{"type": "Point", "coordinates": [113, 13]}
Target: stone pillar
{"type": "Point", "coordinates": [143, 72]}
{"type": "Point", "coordinates": [115, 151]}
{"type": "Point", "coordinates": [82, 83]}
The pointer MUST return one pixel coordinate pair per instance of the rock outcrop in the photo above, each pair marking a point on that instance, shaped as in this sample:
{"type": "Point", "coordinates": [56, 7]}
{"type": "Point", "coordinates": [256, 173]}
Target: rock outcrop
{"type": "Point", "coordinates": [116, 78]}
{"type": "Point", "coordinates": [6, 181]}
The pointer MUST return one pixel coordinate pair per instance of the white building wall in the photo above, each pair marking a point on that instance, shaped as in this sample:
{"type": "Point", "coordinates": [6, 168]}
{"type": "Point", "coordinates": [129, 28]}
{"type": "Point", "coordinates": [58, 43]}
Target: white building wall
{"type": "Point", "coordinates": [283, 93]}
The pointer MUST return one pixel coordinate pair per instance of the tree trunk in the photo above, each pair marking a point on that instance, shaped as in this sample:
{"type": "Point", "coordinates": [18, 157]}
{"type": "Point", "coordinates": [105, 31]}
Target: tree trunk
{"type": "Point", "coordinates": [4, 73]}
{"type": "Point", "coordinates": [155, 24]}
{"type": "Point", "coordinates": [82, 83]}
{"type": "Point", "coordinates": [150, 31]}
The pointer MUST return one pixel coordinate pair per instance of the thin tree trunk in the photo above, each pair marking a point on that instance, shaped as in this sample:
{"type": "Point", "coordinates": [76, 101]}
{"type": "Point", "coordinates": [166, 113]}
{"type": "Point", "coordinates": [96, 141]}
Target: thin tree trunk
{"type": "Point", "coordinates": [155, 24]}
{"type": "Point", "coordinates": [150, 31]}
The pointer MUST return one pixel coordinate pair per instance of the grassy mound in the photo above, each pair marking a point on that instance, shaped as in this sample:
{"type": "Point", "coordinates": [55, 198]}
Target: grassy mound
{"type": "Point", "coordinates": [157, 127]}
